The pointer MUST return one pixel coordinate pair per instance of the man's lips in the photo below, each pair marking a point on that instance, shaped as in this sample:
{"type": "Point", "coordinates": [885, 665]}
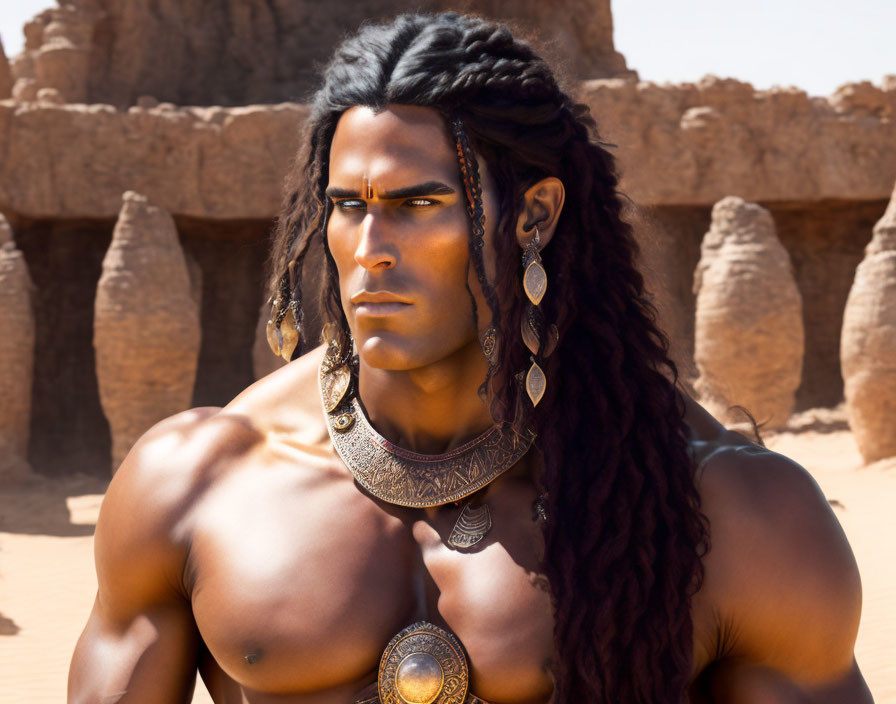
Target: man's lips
{"type": "Point", "coordinates": [378, 303]}
{"type": "Point", "coordinates": [365, 296]}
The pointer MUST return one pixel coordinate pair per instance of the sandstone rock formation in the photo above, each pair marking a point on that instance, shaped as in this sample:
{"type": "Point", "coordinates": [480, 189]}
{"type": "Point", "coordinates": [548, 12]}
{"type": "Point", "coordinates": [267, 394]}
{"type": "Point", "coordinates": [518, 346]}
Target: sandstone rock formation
{"type": "Point", "coordinates": [264, 361]}
{"type": "Point", "coordinates": [16, 357]}
{"type": "Point", "coordinates": [146, 325]}
{"type": "Point", "coordinates": [5, 75]}
{"type": "Point", "coordinates": [240, 51]}
{"type": "Point", "coordinates": [868, 344]}
{"type": "Point", "coordinates": [698, 142]}
{"type": "Point", "coordinates": [25, 90]}
{"type": "Point", "coordinates": [58, 47]}
{"type": "Point", "coordinates": [749, 328]}
{"type": "Point", "coordinates": [229, 163]}
{"type": "Point", "coordinates": [76, 160]}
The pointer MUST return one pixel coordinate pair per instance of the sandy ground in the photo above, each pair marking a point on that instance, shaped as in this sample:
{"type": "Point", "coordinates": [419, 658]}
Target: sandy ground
{"type": "Point", "coordinates": [47, 582]}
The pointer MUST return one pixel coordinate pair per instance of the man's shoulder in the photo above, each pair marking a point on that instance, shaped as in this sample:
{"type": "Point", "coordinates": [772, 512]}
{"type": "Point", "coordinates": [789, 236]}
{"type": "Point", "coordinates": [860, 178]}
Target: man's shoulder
{"type": "Point", "coordinates": [176, 463]}
{"type": "Point", "coordinates": [780, 571]}
{"type": "Point", "coordinates": [286, 400]}
{"type": "Point", "coordinates": [171, 466]}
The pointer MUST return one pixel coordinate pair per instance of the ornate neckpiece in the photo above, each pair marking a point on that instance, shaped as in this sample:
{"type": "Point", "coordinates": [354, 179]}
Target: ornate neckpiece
{"type": "Point", "coordinates": [406, 478]}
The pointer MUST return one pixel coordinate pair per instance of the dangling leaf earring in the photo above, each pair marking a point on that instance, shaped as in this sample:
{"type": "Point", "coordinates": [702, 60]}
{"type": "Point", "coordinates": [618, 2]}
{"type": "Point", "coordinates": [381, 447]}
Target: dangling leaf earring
{"type": "Point", "coordinates": [535, 284]}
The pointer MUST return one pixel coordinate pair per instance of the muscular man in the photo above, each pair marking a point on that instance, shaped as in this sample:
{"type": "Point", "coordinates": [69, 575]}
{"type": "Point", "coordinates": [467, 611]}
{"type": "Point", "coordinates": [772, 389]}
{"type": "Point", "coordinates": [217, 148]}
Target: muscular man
{"type": "Point", "coordinates": [484, 485]}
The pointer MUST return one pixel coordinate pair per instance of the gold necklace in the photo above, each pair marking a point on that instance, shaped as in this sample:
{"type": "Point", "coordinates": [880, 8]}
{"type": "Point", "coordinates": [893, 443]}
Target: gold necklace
{"type": "Point", "coordinates": [406, 478]}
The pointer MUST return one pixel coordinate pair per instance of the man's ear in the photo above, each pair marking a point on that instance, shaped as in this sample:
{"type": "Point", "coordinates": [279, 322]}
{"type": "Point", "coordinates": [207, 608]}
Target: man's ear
{"type": "Point", "coordinates": [542, 204]}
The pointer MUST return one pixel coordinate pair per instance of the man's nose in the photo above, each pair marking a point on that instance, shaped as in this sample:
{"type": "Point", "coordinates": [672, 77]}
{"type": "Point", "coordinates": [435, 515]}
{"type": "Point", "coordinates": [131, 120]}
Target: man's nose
{"type": "Point", "coordinates": [375, 249]}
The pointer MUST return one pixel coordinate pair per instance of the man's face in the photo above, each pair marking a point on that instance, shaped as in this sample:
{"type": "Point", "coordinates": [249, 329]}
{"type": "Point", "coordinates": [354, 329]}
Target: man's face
{"type": "Point", "coordinates": [399, 234]}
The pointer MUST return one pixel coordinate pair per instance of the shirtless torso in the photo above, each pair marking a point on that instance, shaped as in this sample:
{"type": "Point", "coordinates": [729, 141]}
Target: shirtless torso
{"type": "Point", "coordinates": [236, 542]}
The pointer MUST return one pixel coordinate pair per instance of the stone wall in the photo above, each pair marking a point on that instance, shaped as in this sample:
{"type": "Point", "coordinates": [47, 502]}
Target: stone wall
{"type": "Point", "coordinates": [236, 52]}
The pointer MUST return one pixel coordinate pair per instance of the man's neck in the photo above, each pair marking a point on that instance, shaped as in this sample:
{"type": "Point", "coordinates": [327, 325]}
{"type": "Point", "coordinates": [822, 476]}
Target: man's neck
{"type": "Point", "coordinates": [432, 409]}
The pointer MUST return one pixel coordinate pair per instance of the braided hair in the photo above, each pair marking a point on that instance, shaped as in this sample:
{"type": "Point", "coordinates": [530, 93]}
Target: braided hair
{"type": "Point", "coordinates": [625, 535]}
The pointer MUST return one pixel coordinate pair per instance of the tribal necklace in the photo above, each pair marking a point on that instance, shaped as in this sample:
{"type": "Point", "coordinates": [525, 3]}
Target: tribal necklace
{"type": "Point", "coordinates": [399, 476]}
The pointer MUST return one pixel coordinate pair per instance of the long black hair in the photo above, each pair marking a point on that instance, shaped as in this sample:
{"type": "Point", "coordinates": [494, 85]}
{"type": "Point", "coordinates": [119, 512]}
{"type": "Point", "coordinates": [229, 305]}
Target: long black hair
{"type": "Point", "coordinates": [624, 535]}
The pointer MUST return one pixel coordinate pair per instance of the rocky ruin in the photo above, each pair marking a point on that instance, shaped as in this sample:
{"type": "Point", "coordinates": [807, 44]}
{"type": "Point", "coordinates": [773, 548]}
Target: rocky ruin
{"type": "Point", "coordinates": [868, 344]}
{"type": "Point", "coordinates": [238, 52]}
{"type": "Point", "coordinates": [823, 167]}
{"type": "Point", "coordinates": [146, 325]}
{"type": "Point", "coordinates": [749, 324]}
{"type": "Point", "coordinates": [16, 357]}
{"type": "Point", "coordinates": [5, 76]}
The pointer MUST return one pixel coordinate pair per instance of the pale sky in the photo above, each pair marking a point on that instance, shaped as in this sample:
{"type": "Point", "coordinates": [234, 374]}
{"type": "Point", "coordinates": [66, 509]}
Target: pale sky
{"type": "Point", "coordinates": [813, 44]}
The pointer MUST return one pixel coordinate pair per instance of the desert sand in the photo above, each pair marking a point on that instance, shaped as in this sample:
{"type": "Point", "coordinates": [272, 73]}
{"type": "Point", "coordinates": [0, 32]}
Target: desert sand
{"type": "Point", "coordinates": [47, 580]}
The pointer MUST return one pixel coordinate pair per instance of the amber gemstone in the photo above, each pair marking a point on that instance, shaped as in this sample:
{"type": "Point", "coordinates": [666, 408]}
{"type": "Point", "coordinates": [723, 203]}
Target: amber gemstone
{"type": "Point", "coordinates": [419, 678]}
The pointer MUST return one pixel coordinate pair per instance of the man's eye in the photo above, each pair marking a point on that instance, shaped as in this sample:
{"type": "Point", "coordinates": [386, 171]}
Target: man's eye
{"type": "Point", "coordinates": [350, 204]}
{"type": "Point", "coordinates": [420, 202]}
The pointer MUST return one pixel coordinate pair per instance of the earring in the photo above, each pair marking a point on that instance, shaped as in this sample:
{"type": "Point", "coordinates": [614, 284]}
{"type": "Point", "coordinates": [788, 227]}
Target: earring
{"type": "Point", "coordinates": [535, 284]}
{"type": "Point", "coordinates": [489, 343]}
{"type": "Point", "coordinates": [282, 335]}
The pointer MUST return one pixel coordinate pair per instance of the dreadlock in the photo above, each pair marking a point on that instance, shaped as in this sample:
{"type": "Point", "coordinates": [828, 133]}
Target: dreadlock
{"type": "Point", "coordinates": [625, 535]}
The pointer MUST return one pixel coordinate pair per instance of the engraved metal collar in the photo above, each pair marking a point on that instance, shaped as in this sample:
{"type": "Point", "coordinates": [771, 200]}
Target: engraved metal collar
{"type": "Point", "coordinates": [400, 476]}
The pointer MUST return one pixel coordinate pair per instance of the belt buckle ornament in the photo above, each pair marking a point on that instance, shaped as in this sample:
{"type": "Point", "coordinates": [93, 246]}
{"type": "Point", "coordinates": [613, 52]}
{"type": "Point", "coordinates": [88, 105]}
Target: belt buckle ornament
{"type": "Point", "coordinates": [423, 664]}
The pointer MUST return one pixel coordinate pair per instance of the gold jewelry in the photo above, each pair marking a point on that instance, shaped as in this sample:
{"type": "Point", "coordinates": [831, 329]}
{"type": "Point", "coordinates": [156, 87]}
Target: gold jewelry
{"type": "Point", "coordinates": [406, 478]}
{"type": "Point", "coordinates": [489, 344]}
{"type": "Point", "coordinates": [535, 284]}
{"type": "Point", "coordinates": [423, 664]}
{"type": "Point", "coordinates": [535, 278]}
{"type": "Point", "coordinates": [471, 526]}
{"type": "Point", "coordinates": [282, 331]}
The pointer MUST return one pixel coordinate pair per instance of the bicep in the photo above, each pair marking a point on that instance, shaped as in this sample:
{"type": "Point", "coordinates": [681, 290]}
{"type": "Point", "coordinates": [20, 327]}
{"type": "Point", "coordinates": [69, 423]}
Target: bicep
{"type": "Point", "coordinates": [140, 643]}
{"type": "Point", "coordinates": [792, 592]}
{"type": "Point", "coordinates": [148, 657]}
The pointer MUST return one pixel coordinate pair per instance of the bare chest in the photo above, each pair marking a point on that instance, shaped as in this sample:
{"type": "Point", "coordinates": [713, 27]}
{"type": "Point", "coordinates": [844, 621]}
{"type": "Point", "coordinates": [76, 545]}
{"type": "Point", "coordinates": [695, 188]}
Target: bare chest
{"type": "Point", "coordinates": [299, 582]}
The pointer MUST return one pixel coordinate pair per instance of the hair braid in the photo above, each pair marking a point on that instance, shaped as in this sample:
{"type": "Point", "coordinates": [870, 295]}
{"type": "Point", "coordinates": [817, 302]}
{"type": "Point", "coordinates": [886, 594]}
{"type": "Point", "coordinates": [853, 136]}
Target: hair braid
{"type": "Point", "coordinates": [625, 536]}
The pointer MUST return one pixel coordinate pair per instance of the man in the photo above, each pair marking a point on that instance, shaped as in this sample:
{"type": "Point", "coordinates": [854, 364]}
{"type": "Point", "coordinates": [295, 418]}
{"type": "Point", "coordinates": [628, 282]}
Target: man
{"type": "Point", "coordinates": [483, 487]}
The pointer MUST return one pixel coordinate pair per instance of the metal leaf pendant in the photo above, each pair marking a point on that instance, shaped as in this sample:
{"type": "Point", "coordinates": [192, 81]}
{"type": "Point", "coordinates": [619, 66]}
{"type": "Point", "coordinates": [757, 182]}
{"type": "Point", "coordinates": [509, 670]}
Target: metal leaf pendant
{"type": "Point", "coordinates": [535, 282]}
{"type": "Point", "coordinates": [274, 336]}
{"type": "Point", "coordinates": [529, 334]}
{"type": "Point", "coordinates": [472, 525]}
{"type": "Point", "coordinates": [536, 383]}
{"type": "Point", "coordinates": [333, 385]}
{"type": "Point", "coordinates": [289, 335]}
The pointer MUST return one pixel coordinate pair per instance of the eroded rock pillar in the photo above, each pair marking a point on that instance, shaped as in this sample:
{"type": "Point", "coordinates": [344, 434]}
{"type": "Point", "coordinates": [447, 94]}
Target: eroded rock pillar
{"type": "Point", "coordinates": [146, 324]}
{"type": "Point", "coordinates": [868, 344]}
{"type": "Point", "coordinates": [748, 343]}
{"type": "Point", "coordinates": [16, 357]}
{"type": "Point", "coordinates": [5, 75]}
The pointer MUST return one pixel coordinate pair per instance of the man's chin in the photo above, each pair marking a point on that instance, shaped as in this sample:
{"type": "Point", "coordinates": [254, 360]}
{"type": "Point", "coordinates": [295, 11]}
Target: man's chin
{"type": "Point", "coordinates": [396, 353]}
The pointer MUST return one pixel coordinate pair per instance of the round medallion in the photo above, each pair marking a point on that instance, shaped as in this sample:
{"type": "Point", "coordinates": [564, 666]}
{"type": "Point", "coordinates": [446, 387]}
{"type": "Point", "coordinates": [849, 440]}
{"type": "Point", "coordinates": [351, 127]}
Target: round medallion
{"type": "Point", "coordinates": [343, 422]}
{"type": "Point", "coordinates": [423, 664]}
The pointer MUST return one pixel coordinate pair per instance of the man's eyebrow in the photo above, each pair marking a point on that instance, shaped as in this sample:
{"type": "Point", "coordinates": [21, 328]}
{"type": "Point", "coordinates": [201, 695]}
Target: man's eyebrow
{"type": "Point", "coordinates": [430, 188]}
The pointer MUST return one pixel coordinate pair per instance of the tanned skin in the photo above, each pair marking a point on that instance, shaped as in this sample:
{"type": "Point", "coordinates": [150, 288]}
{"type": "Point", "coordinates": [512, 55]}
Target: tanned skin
{"type": "Point", "coordinates": [235, 541]}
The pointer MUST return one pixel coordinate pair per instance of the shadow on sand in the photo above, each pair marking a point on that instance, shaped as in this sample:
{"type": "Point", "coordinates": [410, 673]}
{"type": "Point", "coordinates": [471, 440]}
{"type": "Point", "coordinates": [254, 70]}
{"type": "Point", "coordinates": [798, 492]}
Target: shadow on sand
{"type": "Point", "coordinates": [38, 505]}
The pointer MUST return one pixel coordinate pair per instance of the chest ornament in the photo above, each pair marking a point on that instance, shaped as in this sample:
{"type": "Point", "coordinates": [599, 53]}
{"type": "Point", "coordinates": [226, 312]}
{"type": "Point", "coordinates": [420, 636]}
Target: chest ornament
{"type": "Point", "coordinates": [422, 664]}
